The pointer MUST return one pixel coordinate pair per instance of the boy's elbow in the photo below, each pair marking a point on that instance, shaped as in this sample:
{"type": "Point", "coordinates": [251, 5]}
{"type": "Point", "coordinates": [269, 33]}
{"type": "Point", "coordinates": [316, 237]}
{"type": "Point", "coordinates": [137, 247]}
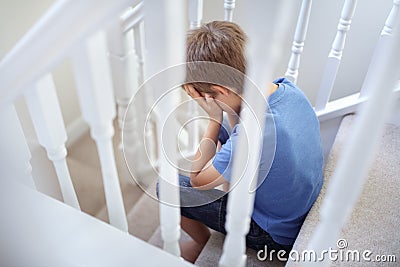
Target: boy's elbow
{"type": "Point", "coordinates": [194, 181]}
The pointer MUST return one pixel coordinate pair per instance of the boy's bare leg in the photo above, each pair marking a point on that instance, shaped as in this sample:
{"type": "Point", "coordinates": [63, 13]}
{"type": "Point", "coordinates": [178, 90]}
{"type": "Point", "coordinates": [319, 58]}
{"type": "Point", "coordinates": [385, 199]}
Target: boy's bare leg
{"type": "Point", "coordinates": [200, 235]}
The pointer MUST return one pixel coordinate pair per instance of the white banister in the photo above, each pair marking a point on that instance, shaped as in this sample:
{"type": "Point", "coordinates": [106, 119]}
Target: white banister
{"type": "Point", "coordinates": [392, 18]}
{"type": "Point", "coordinates": [195, 17]}
{"type": "Point", "coordinates": [262, 53]}
{"type": "Point", "coordinates": [353, 165]}
{"type": "Point", "coordinates": [195, 13]}
{"type": "Point", "coordinates": [298, 43]}
{"type": "Point", "coordinates": [124, 67]}
{"type": "Point", "coordinates": [132, 17]}
{"type": "Point", "coordinates": [335, 55]}
{"type": "Point", "coordinates": [229, 6]}
{"type": "Point", "coordinates": [95, 93]}
{"type": "Point", "coordinates": [148, 98]}
{"type": "Point", "coordinates": [383, 43]}
{"type": "Point", "coordinates": [133, 20]}
{"type": "Point", "coordinates": [164, 24]}
{"type": "Point", "coordinates": [138, 37]}
{"type": "Point", "coordinates": [15, 157]}
{"type": "Point", "coordinates": [50, 40]}
{"type": "Point", "coordinates": [47, 120]}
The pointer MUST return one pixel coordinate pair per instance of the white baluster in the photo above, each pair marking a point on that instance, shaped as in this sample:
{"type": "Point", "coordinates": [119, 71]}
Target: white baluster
{"type": "Point", "coordinates": [229, 6]}
{"type": "Point", "coordinates": [195, 13]}
{"type": "Point", "coordinates": [263, 54]}
{"type": "Point", "coordinates": [165, 43]}
{"type": "Point", "coordinates": [124, 67]}
{"type": "Point", "coordinates": [47, 119]}
{"type": "Point", "coordinates": [148, 97]}
{"type": "Point", "coordinates": [335, 55]}
{"type": "Point", "coordinates": [195, 17]}
{"type": "Point", "coordinates": [138, 33]}
{"type": "Point", "coordinates": [392, 18]}
{"type": "Point", "coordinates": [298, 43]}
{"type": "Point", "coordinates": [383, 43]}
{"type": "Point", "coordinates": [342, 192]}
{"type": "Point", "coordinates": [15, 155]}
{"type": "Point", "coordinates": [95, 93]}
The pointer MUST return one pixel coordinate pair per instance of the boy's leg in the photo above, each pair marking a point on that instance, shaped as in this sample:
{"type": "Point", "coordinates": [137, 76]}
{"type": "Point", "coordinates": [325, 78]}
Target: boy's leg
{"type": "Point", "coordinates": [199, 209]}
{"type": "Point", "coordinates": [196, 230]}
{"type": "Point", "coordinates": [200, 234]}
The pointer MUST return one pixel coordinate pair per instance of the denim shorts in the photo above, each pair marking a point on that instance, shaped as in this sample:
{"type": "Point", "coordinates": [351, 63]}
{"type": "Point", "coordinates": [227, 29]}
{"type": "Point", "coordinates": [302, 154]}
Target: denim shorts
{"type": "Point", "coordinates": [209, 207]}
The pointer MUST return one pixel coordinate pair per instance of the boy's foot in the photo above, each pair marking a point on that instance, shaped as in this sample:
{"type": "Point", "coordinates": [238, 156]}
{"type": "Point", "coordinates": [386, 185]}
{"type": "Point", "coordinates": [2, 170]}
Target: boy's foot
{"type": "Point", "coordinates": [190, 251]}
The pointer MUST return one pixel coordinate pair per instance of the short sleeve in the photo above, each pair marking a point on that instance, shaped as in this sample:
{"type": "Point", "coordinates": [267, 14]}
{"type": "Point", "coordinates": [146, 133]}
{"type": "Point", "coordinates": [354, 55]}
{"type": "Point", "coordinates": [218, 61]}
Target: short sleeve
{"type": "Point", "coordinates": [223, 160]}
{"type": "Point", "coordinates": [225, 131]}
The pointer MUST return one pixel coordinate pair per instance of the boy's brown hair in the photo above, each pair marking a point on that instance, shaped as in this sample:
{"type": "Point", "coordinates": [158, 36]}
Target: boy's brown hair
{"type": "Point", "coordinates": [218, 42]}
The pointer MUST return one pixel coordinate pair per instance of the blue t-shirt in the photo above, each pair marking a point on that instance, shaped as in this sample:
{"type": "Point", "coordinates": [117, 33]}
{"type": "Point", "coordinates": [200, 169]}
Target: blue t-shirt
{"type": "Point", "coordinates": [290, 171]}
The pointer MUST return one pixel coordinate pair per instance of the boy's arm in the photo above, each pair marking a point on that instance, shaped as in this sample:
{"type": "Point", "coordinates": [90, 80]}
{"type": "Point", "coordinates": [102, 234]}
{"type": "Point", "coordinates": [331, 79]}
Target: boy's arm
{"type": "Point", "coordinates": [202, 176]}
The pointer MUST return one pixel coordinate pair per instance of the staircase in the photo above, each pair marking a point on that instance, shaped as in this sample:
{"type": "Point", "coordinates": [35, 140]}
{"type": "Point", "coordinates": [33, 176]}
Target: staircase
{"type": "Point", "coordinates": [38, 230]}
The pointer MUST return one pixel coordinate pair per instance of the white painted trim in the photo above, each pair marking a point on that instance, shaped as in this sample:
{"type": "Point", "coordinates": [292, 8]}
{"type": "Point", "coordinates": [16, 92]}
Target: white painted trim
{"type": "Point", "coordinates": [345, 105]}
{"type": "Point", "coordinates": [132, 17]}
{"type": "Point", "coordinates": [75, 130]}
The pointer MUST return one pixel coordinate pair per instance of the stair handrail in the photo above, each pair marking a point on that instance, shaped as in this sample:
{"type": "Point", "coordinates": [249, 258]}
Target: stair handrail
{"type": "Point", "coordinates": [132, 17]}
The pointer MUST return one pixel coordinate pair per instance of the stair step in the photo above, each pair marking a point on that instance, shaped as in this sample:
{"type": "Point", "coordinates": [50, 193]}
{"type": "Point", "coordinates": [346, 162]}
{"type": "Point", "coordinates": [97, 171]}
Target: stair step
{"type": "Point", "coordinates": [156, 239]}
{"type": "Point", "coordinates": [88, 186]}
{"type": "Point", "coordinates": [212, 252]}
{"type": "Point", "coordinates": [373, 224]}
{"type": "Point", "coordinates": [143, 218]}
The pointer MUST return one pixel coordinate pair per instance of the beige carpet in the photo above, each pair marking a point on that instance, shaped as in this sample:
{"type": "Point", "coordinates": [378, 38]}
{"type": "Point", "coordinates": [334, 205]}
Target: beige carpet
{"type": "Point", "coordinates": [374, 223]}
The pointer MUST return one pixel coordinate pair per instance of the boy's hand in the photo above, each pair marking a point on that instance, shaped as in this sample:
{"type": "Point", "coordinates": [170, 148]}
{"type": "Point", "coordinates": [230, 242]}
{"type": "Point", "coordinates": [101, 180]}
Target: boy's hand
{"type": "Point", "coordinates": [208, 103]}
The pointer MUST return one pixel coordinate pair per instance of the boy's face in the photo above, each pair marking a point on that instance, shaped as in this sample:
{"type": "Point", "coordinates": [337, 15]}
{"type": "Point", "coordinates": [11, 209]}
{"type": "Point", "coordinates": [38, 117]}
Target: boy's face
{"type": "Point", "coordinates": [226, 99]}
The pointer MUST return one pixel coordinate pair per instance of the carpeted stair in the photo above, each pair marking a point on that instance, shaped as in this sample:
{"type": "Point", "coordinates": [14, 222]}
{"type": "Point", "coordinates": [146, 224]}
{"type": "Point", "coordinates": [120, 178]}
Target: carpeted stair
{"type": "Point", "coordinates": [374, 222]}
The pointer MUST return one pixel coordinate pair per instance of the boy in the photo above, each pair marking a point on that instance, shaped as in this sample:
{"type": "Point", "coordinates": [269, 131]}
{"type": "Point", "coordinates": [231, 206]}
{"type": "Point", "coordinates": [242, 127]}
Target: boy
{"type": "Point", "coordinates": [292, 184]}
